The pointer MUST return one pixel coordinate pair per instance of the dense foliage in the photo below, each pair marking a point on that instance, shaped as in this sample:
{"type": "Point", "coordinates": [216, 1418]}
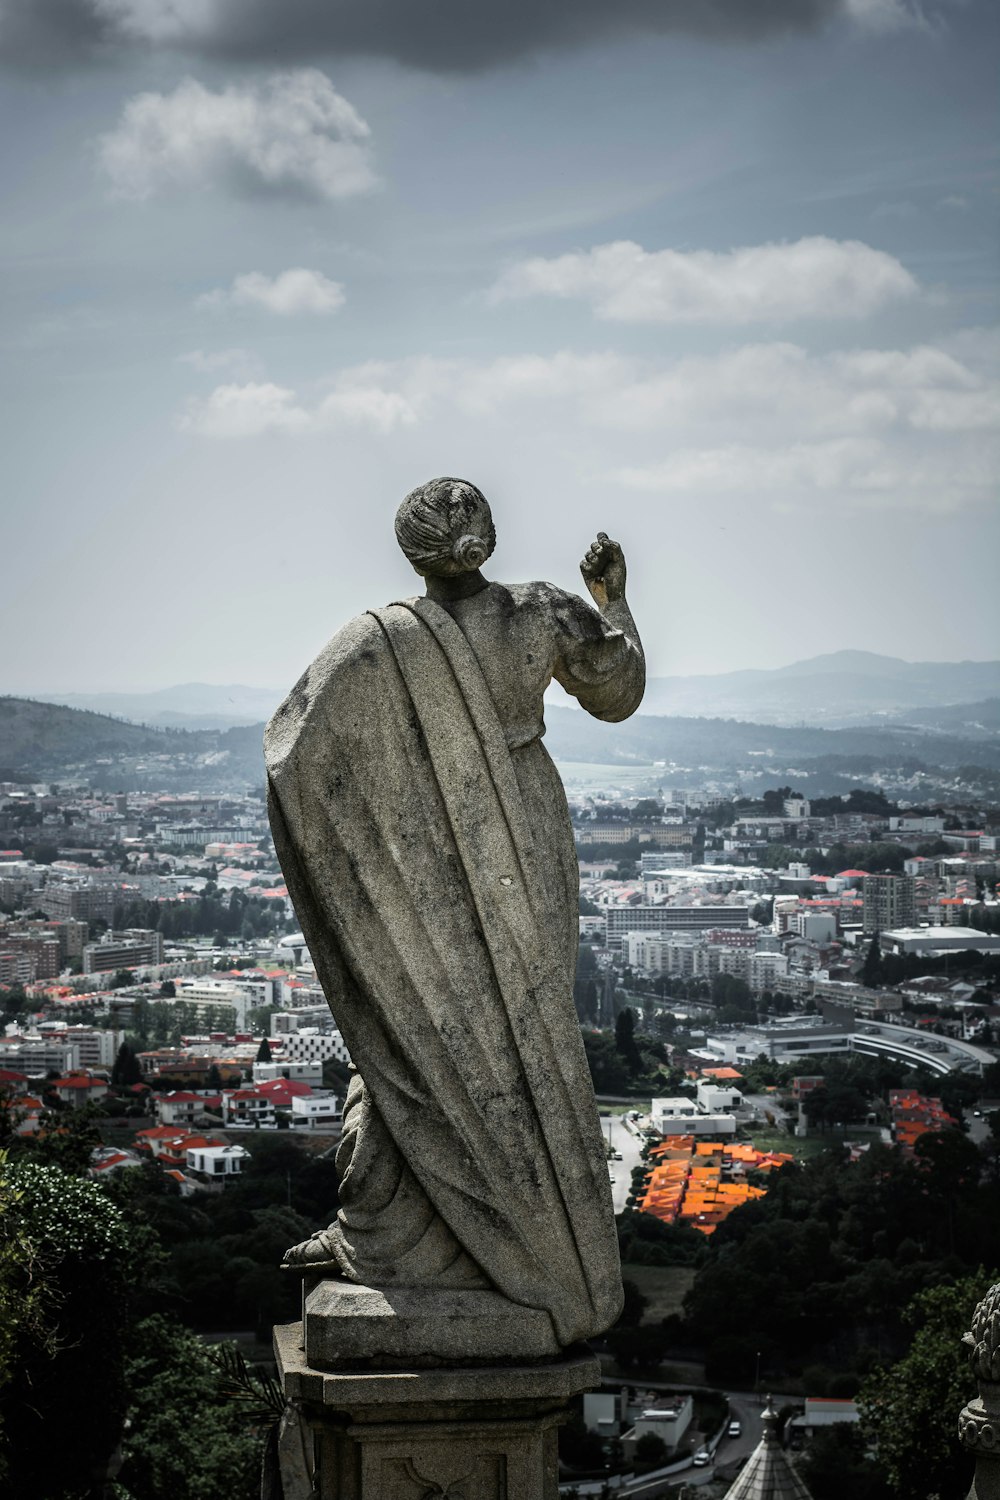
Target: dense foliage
{"type": "Point", "coordinates": [101, 1287]}
{"type": "Point", "coordinates": [910, 1411]}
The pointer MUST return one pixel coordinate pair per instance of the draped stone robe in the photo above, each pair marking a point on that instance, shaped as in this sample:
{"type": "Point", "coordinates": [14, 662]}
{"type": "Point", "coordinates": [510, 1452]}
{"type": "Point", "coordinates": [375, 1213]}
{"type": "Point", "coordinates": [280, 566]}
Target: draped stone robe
{"type": "Point", "coordinates": [424, 835]}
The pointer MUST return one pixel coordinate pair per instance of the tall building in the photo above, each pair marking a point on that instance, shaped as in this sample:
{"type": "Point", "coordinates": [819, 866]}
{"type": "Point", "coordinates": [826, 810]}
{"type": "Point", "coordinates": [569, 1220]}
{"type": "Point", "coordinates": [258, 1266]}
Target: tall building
{"type": "Point", "coordinates": [888, 901]}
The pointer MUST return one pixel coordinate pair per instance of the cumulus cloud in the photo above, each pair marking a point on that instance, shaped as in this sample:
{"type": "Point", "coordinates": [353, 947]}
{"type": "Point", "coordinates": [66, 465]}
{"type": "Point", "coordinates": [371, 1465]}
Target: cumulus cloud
{"type": "Point", "coordinates": [295, 291]}
{"type": "Point", "coordinates": [814, 277]}
{"type": "Point", "coordinates": [859, 474]}
{"type": "Point", "coordinates": [910, 429]}
{"type": "Point", "coordinates": [291, 133]}
{"type": "Point", "coordinates": [450, 36]}
{"type": "Point", "coordinates": [259, 408]}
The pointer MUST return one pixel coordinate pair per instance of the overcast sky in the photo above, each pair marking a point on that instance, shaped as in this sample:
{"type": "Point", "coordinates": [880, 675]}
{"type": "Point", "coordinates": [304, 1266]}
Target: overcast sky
{"type": "Point", "coordinates": [716, 276]}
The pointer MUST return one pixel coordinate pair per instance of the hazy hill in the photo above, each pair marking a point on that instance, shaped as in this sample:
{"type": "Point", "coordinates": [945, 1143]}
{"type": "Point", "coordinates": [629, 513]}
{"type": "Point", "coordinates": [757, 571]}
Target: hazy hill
{"type": "Point", "coordinates": [839, 688]}
{"type": "Point", "coordinates": [39, 740]}
{"type": "Point", "coordinates": [43, 734]}
{"type": "Point", "coordinates": [729, 743]}
{"type": "Point", "coordinates": [189, 705]}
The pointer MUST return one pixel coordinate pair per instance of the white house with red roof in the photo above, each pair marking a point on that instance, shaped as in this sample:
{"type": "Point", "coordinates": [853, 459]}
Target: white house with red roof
{"type": "Point", "coordinates": [106, 1160]}
{"type": "Point", "coordinates": [78, 1089]}
{"type": "Point", "coordinates": [249, 1109]}
{"type": "Point", "coordinates": [25, 1113]}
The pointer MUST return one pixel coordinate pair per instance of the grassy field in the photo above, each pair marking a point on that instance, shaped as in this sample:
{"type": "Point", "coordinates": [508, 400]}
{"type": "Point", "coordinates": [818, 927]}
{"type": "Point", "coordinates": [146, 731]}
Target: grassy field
{"type": "Point", "coordinates": [799, 1147]}
{"type": "Point", "coordinates": [663, 1287]}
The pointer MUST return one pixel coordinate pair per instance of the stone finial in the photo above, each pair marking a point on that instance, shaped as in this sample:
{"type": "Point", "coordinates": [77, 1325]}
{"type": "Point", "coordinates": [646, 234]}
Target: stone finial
{"type": "Point", "coordinates": [979, 1422]}
{"type": "Point", "coordinates": [769, 1417]}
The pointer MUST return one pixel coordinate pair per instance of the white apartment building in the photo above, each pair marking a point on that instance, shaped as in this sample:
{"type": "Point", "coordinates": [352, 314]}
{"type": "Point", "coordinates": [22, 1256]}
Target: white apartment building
{"type": "Point", "coordinates": [205, 992]}
{"type": "Point", "coordinates": [665, 920]}
{"type": "Point", "coordinates": [35, 1057]}
{"type": "Point", "coordinates": [315, 1046]}
{"type": "Point", "coordinates": [95, 1049]}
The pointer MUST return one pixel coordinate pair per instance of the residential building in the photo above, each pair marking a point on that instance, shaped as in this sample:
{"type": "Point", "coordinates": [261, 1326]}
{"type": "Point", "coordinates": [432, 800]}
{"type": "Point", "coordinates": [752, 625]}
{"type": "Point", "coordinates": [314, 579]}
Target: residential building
{"type": "Point", "coordinates": [248, 1109]}
{"type": "Point", "coordinates": [217, 1161]}
{"type": "Point", "coordinates": [888, 901]}
{"type": "Point", "coordinates": [317, 1112]}
{"type": "Point", "coordinates": [668, 1416]}
{"type": "Point", "coordinates": [78, 1089]}
{"type": "Point", "coordinates": [668, 919]}
{"type": "Point", "coordinates": [134, 949]}
{"type": "Point", "coordinates": [310, 1045]}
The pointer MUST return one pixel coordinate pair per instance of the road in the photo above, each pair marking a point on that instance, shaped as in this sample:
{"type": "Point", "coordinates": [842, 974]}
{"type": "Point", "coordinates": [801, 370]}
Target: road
{"type": "Point", "coordinates": [630, 1147]}
{"type": "Point", "coordinates": [746, 1407]}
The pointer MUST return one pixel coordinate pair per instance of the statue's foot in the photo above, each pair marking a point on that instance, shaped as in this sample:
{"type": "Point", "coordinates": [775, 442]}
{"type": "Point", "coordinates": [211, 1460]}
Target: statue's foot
{"type": "Point", "coordinates": [313, 1257]}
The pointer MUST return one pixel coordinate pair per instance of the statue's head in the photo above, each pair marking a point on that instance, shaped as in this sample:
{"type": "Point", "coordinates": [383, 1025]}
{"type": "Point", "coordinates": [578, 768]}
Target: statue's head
{"type": "Point", "coordinates": [445, 527]}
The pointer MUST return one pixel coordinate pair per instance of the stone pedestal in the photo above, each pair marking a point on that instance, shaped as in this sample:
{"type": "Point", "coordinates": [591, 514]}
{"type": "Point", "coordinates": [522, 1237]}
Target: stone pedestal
{"type": "Point", "coordinates": [465, 1432]}
{"type": "Point", "coordinates": [347, 1326]}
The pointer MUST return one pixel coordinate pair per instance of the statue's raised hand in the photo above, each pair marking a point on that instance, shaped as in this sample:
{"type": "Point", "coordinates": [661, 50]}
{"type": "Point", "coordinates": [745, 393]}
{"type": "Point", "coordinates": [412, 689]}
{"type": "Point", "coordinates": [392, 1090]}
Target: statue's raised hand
{"type": "Point", "coordinates": [603, 570]}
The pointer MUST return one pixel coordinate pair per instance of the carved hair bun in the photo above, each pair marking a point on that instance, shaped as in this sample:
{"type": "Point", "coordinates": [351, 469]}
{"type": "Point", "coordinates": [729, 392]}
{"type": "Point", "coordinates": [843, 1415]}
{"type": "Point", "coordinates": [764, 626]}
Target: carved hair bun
{"type": "Point", "coordinates": [470, 552]}
{"type": "Point", "coordinates": [445, 527]}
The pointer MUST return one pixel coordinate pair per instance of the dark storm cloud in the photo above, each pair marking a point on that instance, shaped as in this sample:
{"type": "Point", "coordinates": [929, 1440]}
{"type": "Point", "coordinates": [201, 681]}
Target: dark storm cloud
{"type": "Point", "coordinates": [446, 36]}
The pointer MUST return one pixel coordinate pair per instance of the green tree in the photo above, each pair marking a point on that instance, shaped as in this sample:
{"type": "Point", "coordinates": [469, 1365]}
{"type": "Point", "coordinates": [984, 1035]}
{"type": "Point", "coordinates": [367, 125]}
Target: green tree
{"type": "Point", "coordinates": [63, 1236]}
{"type": "Point", "coordinates": [126, 1069]}
{"type": "Point", "coordinates": [871, 970]}
{"type": "Point", "coordinates": [910, 1409]}
{"type": "Point", "coordinates": [647, 810]}
{"type": "Point", "coordinates": [651, 1450]}
{"type": "Point", "coordinates": [625, 1042]}
{"type": "Point", "coordinates": [835, 1464]}
{"type": "Point", "coordinates": [264, 1051]}
{"type": "Point", "coordinates": [607, 1067]}
{"type": "Point", "coordinates": [186, 1437]}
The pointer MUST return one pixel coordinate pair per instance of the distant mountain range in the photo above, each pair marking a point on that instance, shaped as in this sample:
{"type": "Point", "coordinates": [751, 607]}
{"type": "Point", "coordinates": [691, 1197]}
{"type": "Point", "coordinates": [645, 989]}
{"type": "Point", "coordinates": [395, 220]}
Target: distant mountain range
{"type": "Point", "coordinates": [190, 705]}
{"type": "Point", "coordinates": [832, 691]}
{"type": "Point", "coordinates": [837, 690]}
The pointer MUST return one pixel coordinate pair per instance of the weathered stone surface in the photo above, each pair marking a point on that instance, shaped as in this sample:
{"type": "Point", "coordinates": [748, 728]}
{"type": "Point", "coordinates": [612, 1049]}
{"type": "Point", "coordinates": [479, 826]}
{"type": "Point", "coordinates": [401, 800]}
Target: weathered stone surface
{"type": "Point", "coordinates": [350, 1325]}
{"type": "Point", "coordinates": [424, 836]}
{"type": "Point", "coordinates": [472, 1434]}
{"type": "Point", "coordinates": [979, 1421]}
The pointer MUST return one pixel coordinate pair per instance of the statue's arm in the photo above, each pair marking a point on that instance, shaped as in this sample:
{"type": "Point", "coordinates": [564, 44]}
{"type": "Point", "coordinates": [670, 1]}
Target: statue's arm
{"type": "Point", "coordinates": [604, 667]}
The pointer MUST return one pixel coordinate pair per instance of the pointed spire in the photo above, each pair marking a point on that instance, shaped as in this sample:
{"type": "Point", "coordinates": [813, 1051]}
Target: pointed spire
{"type": "Point", "coordinates": [768, 1473]}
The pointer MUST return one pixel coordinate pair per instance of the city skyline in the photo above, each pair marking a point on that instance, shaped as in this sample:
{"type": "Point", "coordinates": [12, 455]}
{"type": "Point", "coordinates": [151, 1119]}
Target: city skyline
{"type": "Point", "coordinates": [727, 292]}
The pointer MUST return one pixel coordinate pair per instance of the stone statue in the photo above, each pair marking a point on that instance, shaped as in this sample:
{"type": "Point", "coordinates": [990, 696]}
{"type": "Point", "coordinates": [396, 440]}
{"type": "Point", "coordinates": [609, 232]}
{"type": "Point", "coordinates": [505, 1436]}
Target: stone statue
{"type": "Point", "coordinates": [425, 838]}
{"type": "Point", "coordinates": [979, 1421]}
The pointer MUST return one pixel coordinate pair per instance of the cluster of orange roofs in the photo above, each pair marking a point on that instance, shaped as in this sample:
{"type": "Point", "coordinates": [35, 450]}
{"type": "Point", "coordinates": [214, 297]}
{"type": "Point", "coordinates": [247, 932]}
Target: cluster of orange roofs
{"type": "Point", "coordinates": [913, 1115]}
{"type": "Point", "coordinates": [692, 1182]}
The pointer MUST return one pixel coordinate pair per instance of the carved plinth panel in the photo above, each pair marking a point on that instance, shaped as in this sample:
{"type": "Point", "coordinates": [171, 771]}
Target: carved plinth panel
{"type": "Point", "coordinates": [464, 1461]}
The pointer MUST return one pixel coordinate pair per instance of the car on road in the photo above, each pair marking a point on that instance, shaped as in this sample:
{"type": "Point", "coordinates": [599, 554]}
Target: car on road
{"type": "Point", "coordinates": [701, 1458]}
{"type": "Point", "coordinates": [735, 1428]}
{"type": "Point", "coordinates": [616, 1156]}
